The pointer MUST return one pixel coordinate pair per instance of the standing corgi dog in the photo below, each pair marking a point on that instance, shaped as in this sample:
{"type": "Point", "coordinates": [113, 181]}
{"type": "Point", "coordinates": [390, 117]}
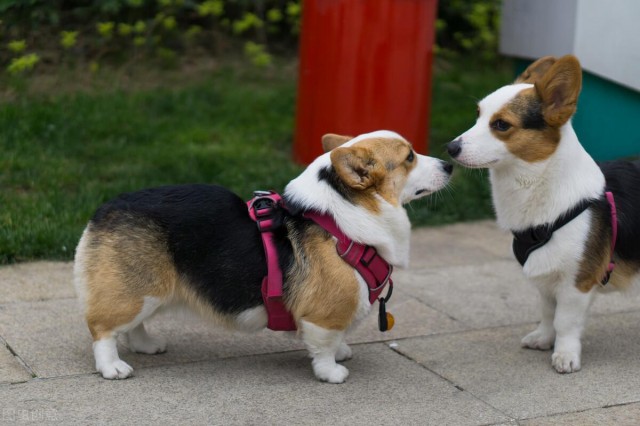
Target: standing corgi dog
{"type": "Point", "coordinates": [576, 224]}
{"type": "Point", "coordinates": [196, 246]}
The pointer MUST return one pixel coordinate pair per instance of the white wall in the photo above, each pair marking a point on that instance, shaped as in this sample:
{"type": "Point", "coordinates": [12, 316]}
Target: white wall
{"type": "Point", "coordinates": [603, 34]}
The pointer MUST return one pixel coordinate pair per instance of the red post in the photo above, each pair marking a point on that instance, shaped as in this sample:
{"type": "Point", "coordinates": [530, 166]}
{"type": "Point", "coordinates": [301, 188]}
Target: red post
{"type": "Point", "coordinates": [364, 65]}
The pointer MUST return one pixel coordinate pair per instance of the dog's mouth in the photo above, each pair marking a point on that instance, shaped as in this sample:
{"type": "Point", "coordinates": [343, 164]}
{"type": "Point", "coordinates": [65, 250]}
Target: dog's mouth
{"type": "Point", "coordinates": [423, 191]}
{"type": "Point", "coordinates": [476, 166]}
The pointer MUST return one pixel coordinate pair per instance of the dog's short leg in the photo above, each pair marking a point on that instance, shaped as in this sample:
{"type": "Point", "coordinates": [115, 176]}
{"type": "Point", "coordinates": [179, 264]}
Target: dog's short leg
{"type": "Point", "coordinates": [344, 352]}
{"type": "Point", "coordinates": [542, 337]}
{"type": "Point", "coordinates": [104, 326]}
{"type": "Point", "coordinates": [323, 345]}
{"type": "Point", "coordinates": [108, 363]}
{"type": "Point", "coordinates": [139, 341]}
{"type": "Point", "coordinates": [570, 318]}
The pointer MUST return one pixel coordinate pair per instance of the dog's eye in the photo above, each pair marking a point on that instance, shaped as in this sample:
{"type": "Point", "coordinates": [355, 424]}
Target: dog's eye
{"type": "Point", "coordinates": [411, 156]}
{"type": "Point", "coordinates": [500, 125]}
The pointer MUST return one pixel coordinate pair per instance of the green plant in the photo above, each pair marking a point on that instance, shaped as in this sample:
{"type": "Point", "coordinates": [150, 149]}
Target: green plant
{"type": "Point", "coordinates": [68, 39]}
{"type": "Point", "coordinates": [257, 54]}
{"type": "Point", "coordinates": [121, 31]}
{"type": "Point", "coordinates": [468, 26]}
{"type": "Point", "coordinates": [17, 46]}
{"type": "Point", "coordinates": [23, 63]}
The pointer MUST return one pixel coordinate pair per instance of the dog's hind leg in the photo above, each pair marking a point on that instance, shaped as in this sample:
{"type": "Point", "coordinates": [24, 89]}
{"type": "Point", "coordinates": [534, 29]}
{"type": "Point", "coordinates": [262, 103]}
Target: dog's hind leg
{"type": "Point", "coordinates": [323, 345]}
{"type": "Point", "coordinates": [139, 341]}
{"type": "Point", "coordinates": [124, 318]}
{"type": "Point", "coordinates": [570, 318]}
{"type": "Point", "coordinates": [542, 338]}
{"type": "Point", "coordinates": [137, 337]}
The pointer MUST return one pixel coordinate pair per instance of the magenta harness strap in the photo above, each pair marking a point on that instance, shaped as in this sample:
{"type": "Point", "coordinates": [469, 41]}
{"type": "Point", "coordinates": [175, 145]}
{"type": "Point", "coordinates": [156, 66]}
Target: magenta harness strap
{"type": "Point", "coordinates": [261, 210]}
{"type": "Point", "coordinates": [365, 259]}
{"type": "Point", "coordinates": [614, 235]}
{"type": "Point", "coordinates": [375, 271]}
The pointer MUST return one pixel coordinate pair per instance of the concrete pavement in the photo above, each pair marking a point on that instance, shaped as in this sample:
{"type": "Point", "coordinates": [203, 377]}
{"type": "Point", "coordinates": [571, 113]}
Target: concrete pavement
{"type": "Point", "coordinates": [453, 357]}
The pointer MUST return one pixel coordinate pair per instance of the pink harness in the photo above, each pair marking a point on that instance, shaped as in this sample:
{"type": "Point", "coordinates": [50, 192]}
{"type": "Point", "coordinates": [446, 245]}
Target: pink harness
{"type": "Point", "coordinates": [614, 236]}
{"type": "Point", "coordinates": [375, 271]}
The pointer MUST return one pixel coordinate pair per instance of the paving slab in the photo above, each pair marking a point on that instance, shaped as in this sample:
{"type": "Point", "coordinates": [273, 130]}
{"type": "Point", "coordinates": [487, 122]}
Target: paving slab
{"type": "Point", "coordinates": [492, 294]}
{"type": "Point", "coordinates": [383, 388]}
{"type": "Point", "coordinates": [459, 244]}
{"type": "Point", "coordinates": [53, 339]}
{"type": "Point", "coordinates": [521, 383]}
{"type": "Point", "coordinates": [485, 295]}
{"type": "Point", "coordinates": [628, 414]}
{"type": "Point", "coordinates": [36, 281]}
{"type": "Point", "coordinates": [11, 370]}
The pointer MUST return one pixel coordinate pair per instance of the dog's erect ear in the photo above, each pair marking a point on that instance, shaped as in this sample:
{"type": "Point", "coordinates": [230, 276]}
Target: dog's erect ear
{"type": "Point", "coordinates": [354, 166]}
{"type": "Point", "coordinates": [559, 89]}
{"type": "Point", "coordinates": [331, 141]}
{"type": "Point", "coordinates": [536, 70]}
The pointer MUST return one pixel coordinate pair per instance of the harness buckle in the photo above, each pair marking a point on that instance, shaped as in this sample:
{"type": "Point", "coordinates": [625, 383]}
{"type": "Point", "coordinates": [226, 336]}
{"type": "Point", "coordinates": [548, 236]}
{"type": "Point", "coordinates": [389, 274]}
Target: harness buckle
{"type": "Point", "coordinates": [262, 208]}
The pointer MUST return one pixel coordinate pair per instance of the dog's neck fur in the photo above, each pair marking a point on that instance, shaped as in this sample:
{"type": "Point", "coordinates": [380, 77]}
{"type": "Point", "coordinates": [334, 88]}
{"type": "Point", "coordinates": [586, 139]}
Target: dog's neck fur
{"type": "Point", "coordinates": [388, 231]}
{"type": "Point", "coordinates": [531, 194]}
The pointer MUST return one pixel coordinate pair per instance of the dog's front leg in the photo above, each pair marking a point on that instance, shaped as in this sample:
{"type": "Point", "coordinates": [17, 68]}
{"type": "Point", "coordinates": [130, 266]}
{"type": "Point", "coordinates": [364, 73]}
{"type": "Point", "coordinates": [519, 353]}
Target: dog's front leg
{"type": "Point", "coordinates": [323, 345]}
{"type": "Point", "coordinates": [569, 322]}
{"type": "Point", "coordinates": [542, 338]}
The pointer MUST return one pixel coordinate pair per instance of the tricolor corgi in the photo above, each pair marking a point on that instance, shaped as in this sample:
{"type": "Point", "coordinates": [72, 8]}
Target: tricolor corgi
{"type": "Point", "coordinates": [196, 246]}
{"type": "Point", "coordinates": [576, 223]}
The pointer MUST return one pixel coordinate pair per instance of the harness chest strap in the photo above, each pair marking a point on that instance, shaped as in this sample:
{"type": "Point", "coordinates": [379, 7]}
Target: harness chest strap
{"type": "Point", "coordinates": [527, 241]}
{"type": "Point", "coordinates": [365, 259]}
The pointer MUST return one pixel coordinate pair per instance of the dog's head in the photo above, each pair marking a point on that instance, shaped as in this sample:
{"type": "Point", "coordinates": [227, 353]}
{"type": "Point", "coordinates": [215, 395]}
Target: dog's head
{"type": "Point", "coordinates": [381, 165]}
{"type": "Point", "coordinates": [363, 183]}
{"type": "Point", "coordinates": [522, 121]}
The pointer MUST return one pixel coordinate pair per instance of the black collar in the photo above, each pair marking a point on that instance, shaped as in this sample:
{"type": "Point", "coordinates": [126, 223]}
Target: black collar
{"type": "Point", "coordinates": [528, 240]}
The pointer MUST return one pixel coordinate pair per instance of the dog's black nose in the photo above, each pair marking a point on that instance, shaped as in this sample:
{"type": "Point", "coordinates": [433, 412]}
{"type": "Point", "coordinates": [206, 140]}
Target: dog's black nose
{"type": "Point", "coordinates": [454, 147]}
{"type": "Point", "coordinates": [447, 167]}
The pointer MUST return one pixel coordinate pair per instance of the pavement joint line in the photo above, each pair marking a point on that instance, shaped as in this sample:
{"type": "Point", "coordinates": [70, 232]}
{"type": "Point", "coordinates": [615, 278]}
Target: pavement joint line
{"type": "Point", "coordinates": [510, 421]}
{"type": "Point", "coordinates": [451, 317]}
{"type": "Point", "coordinates": [455, 385]}
{"type": "Point", "coordinates": [18, 358]}
{"type": "Point", "coordinates": [563, 413]}
{"type": "Point", "coordinates": [15, 302]}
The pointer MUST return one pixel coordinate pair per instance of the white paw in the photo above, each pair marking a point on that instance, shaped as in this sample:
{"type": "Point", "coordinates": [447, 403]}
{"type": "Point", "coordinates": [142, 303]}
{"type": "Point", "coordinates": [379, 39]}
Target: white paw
{"type": "Point", "coordinates": [344, 352]}
{"type": "Point", "coordinates": [538, 340]}
{"type": "Point", "coordinates": [334, 374]}
{"type": "Point", "coordinates": [148, 345]}
{"type": "Point", "coordinates": [115, 370]}
{"type": "Point", "coordinates": [565, 362]}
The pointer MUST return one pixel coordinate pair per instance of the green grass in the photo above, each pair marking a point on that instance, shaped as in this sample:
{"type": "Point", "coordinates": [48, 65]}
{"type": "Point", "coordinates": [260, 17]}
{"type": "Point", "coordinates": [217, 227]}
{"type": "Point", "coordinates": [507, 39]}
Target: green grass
{"type": "Point", "coordinates": [63, 155]}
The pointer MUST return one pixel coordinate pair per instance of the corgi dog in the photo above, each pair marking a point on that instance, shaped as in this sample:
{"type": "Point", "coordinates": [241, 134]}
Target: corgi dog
{"type": "Point", "coordinates": [196, 246]}
{"type": "Point", "coordinates": [558, 202]}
